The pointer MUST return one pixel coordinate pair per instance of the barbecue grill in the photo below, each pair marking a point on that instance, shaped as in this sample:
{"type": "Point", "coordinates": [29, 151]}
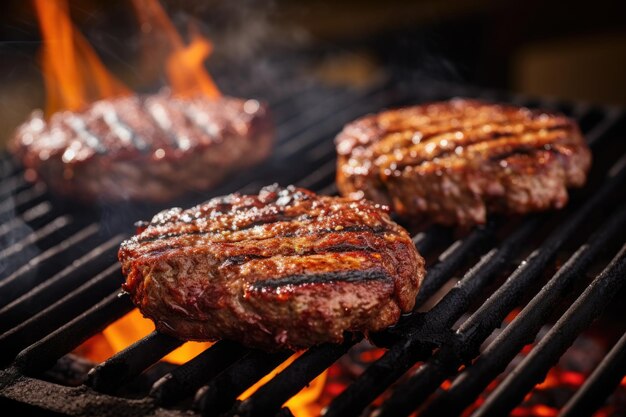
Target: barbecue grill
{"type": "Point", "coordinates": [61, 285]}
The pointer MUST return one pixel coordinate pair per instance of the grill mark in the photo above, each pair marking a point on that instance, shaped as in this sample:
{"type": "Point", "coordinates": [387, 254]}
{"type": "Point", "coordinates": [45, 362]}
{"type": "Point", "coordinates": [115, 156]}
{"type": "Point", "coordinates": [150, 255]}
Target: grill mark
{"type": "Point", "coordinates": [225, 206]}
{"type": "Point", "coordinates": [377, 231]}
{"type": "Point", "coordinates": [122, 130]}
{"type": "Point", "coordinates": [514, 142]}
{"type": "Point", "coordinates": [259, 222]}
{"type": "Point", "coordinates": [338, 248]}
{"type": "Point", "coordinates": [428, 137]}
{"type": "Point", "coordinates": [501, 120]}
{"type": "Point", "coordinates": [77, 125]}
{"type": "Point", "coordinates": [528, 151]}
{"type": "Point", "coordinates": [325, 278]}
{"type": "Point", "coordinates": [160, 120]}
{"type": "Point", "coordinates": [494, 155]}
{"type": "Point", "coordinates": [200, 121]}
{"type": "Point", "coordinates": [448, 113]}
{"type": "Point", "coordinates": [519, 151]}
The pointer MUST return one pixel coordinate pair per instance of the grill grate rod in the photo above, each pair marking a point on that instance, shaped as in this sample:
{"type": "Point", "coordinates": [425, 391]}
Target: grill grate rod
{"type": "Point", "coordinates": [125, 365]}
{"type": "Point", "coordinates": [269, 398]}
{"type": "Point", "coordinates": [612, 118]}
{"type": "Point", "coordinates": [579, 316]}
{"type": "Point", "coordinates": [44, 353]}
{"type": "Point", "coordinates": [524, 328]}
{"type": "Point", "coordinates": [22, 200]}
{"type": "Point", "coordinates": [60, 284]}
{"type": "Point", "coordinates": [448, 263]}
{"type": "Point", "coordinates": [489, 315]}
{"type": "Point", "coordinates": [218, 396]}
{"type": "Point", "coordinates": [63, 310]}
{"type": "Point", "coordinates": [37, 214]}
{"type": "Point", "coordinates": [595, 390]}
{"type": "Point", "coordinates": [21, 281]}
{"type": "Point", "coordinates": [185, 379]}
{"type": "Point", "coordinates": [452, 259]}
{"type": "Point", "coordinates": [47, 232]}
{"type": "Point", "coordinates": [428, 328]}
{"type": "Point", "coordinates": [329, 188]}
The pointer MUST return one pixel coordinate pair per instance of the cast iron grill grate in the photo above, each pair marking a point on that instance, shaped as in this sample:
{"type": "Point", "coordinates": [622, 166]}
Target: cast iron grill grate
{"type": "Point", "coordinates": [60, 286]}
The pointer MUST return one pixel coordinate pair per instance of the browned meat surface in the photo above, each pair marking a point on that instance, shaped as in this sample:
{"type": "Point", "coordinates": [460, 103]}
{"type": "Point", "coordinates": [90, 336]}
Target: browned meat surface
{"type": "Point", "coordinates": [453, 162]}
{"type": "Point", "coordinates": [284, 268]}
{"type": "Point", "coordinates": [144, 148]}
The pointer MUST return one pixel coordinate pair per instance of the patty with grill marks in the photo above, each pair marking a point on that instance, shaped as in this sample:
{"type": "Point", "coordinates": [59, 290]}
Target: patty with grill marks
{"type": "Point", "coordinates": [282, 269]}
{"type": "Point", "coordinates": [453, 162]}
{"type": "Point", "coordinates": [148, 148]}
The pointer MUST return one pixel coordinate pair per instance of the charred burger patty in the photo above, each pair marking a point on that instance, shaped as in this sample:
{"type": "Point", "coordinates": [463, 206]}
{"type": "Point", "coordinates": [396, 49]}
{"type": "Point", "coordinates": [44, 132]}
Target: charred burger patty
{"type": "Point", "coordinates": [152, 148]}
{"type": "Point", "coordinates": [284, 268]}
{"type": "Point", "coordinates": [452, 162]}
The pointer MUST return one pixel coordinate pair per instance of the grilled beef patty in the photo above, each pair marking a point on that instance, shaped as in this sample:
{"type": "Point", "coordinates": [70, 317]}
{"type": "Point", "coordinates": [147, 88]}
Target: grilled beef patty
{"type": "Point", "coordinates": [284, 268]}
{"type": "Point", "coordinates": [452, 162]}
{"type": "Point", "coordinates": [151, 148]}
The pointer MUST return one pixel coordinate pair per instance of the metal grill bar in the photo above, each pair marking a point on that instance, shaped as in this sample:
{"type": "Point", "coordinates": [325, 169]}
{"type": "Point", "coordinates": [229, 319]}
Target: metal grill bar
{"type": "Point", "coordinates": [125, 365]}
{"type": "Point", "coordinates": [225, 371]}
{"type": "Point", "coordinates": [426, 241]}
{"type": "Point", "coordinates": [523, 329]}
{"type": "Point", "coordinates": [269, 398]}
{"type": "Point", "coordinates": [23, 199]}
{"type": "Point", "coordinates": [59, 285]}
{"type": "Point", "coordinates": [452, 259]}
{"type": "Point", "coordinates": [428, 328]}
{"type": "Point", "coordinates": [60, 312]}
{"type": "Point", "coordinates": [218, 396]}
{"type": "Point", "coordinates": [30, 218]}
{"type": "Point", "coordinates": [11, 184]}
{"type": "Point", "coordinates": [24, 278]}
{"type": "Point", "coordinates": [600, 384]}
{"type": "Point", "coordinates": [448, 263]}
{"type": "Point", "coordinates": [37, 236]}
{"type": "Point", "coordinates": [184, 380]}
{"type": "Point", "coordinates": [534, 366]}
{"type": "Point", "coordinates": [42, 355]}
{"type": "Point", "coordinates": [491, 313]}
{"type": "Point", "coordinates": [488, 316]}
{"type": "Point", "coordinates": [601, 130]}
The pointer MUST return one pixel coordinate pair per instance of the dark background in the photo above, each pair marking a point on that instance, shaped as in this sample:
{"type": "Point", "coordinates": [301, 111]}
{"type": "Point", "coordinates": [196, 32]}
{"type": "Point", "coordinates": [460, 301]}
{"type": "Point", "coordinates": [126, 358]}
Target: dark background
{"type": "Point", "coordinates": [571, 50]}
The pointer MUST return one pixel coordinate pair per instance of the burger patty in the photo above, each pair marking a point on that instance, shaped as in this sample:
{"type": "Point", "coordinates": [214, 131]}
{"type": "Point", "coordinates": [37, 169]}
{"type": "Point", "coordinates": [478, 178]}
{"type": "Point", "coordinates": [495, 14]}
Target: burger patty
{"type": "Point", "coordinates": [452, 162]}
{"type": "Point", "coordinates": [284, 268]}
{"type": "Point", "coordinates": [151, 148]}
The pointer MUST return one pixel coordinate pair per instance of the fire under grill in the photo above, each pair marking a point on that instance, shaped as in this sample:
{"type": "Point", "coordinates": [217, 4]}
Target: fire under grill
{"type": "Point", "coordinates": [515, 284]}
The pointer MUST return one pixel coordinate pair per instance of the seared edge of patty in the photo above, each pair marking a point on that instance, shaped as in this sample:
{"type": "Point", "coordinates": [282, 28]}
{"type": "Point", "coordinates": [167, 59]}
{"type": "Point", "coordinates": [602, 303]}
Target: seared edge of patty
{"type": "Point", "coordinates": [452, 162]}
{"type": "Point", "coordinates": [144, 147]}
{"type": "Point", "coordinates": [284, 268]}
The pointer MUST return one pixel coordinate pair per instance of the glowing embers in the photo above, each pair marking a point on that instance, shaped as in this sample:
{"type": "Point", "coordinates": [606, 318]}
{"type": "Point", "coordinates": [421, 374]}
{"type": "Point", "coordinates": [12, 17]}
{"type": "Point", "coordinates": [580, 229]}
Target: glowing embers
{"type": "Point", "coordinates": [546, 399]}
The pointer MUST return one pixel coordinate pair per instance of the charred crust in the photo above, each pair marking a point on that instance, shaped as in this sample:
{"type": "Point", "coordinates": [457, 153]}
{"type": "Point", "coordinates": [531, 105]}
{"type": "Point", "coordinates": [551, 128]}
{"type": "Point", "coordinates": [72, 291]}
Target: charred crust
{"type": "Point", "coordinates": [352, 276]}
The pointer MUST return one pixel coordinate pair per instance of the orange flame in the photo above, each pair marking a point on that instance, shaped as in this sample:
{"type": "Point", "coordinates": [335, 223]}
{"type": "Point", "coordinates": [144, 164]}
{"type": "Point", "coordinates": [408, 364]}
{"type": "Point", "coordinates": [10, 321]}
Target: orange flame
{"type": "Point", "coordinates": [184, 65]}
{"type": "Point", "coordinates": [74, 75]}
{"type": "Point", "coordinates": [134, 326]}
{"type": "Point", "coordinates": [303, 404]}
